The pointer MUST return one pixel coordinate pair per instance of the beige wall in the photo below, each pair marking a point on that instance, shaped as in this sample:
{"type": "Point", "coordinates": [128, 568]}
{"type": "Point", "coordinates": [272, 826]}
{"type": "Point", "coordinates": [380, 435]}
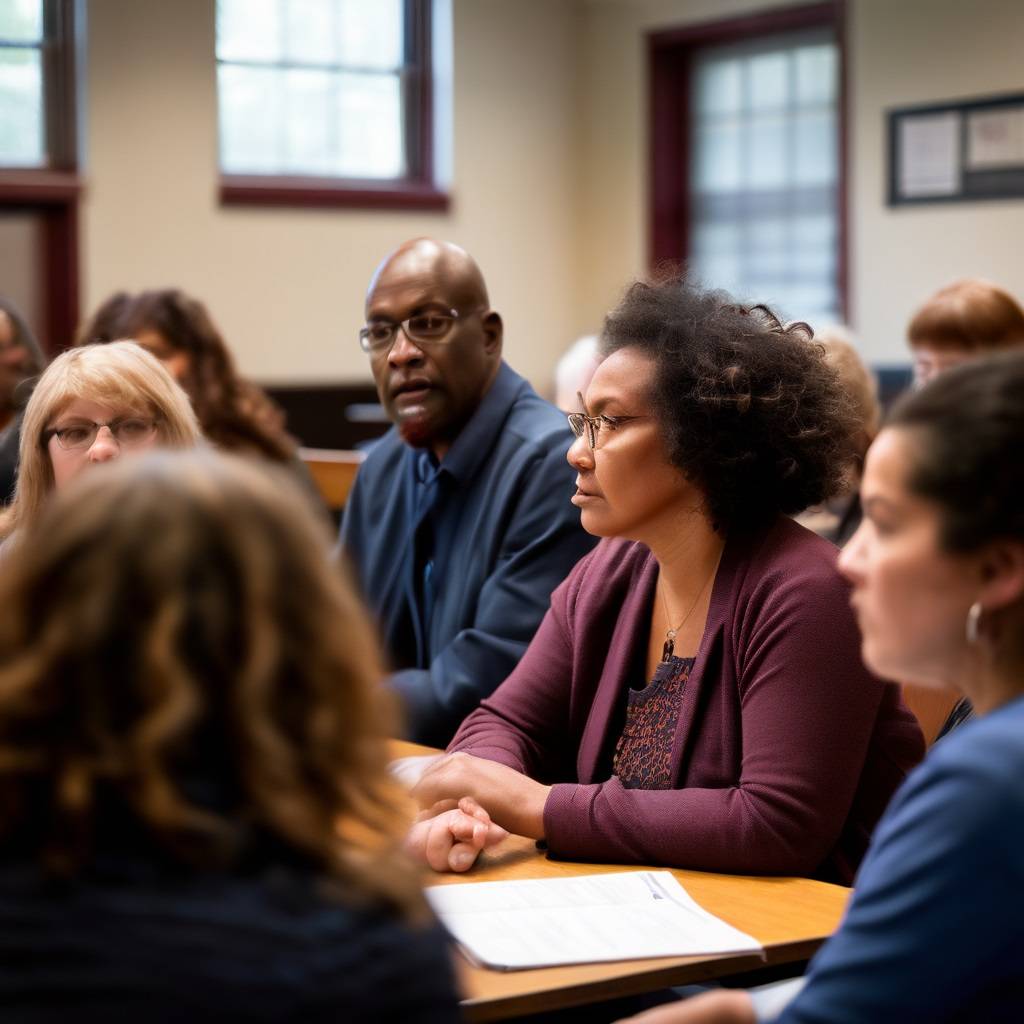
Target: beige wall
{"type": "Point", "coordinates": [550, 174]}
{"type": "Point", "coordinates": [287, 286]}
{"type": "Point", "coordinates": [900, 52]}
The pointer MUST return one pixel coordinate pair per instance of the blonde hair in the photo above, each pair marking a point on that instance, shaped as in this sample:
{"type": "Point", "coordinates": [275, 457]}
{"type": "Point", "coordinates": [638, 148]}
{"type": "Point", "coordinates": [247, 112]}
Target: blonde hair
{"type": "Point", "coordinates": [197, 640]}
{"type": "Point", "coordinates": [121, 375]}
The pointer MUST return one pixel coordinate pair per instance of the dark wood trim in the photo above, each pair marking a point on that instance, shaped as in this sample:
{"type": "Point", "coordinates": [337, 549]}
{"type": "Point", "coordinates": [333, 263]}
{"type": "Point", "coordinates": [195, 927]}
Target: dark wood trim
{"type": "Point", "coordinates": [60, 252]}
{"type": "Point", "coordinates": [39, 187]}
{"type": "Point", "coordinates": [260, 190]}
{"type": "Point", "coordinates": [670, 54]}
{"type": "Point", "coordinates": [59, 84]}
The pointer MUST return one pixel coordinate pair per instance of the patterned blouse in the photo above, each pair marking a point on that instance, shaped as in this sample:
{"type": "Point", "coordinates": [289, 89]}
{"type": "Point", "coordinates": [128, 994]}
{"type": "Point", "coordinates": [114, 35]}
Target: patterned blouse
{"type": "Point", "coordinates": [643, 755]}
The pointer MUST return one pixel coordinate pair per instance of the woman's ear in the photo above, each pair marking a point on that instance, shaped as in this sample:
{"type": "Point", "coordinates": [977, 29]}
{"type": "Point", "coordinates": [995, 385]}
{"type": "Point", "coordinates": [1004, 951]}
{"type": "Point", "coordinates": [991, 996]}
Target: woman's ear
{"type": "Point", "coordinates": [1002, 574]}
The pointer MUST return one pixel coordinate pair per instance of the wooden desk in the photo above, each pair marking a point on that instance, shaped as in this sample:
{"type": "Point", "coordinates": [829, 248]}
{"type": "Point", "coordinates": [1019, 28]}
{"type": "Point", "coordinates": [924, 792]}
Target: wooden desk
{"type": "Point", "coordinates": [790, 917]}
{"type": "Point", "coordinates": [333, 471]}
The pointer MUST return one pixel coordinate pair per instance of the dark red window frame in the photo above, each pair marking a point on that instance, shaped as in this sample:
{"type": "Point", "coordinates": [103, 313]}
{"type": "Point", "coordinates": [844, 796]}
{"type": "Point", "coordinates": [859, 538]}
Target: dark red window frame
{"type": "Point", "coordinates": [416, 191]}
{"type": "Point", "coordinates": [53, 192]}
{"type": "Point", "coordinates": [670, 61]}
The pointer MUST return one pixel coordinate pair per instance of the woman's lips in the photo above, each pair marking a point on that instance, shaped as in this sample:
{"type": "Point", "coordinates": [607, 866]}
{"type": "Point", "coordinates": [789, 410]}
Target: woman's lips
{"type": "Point", "coordinates": [583, 498]}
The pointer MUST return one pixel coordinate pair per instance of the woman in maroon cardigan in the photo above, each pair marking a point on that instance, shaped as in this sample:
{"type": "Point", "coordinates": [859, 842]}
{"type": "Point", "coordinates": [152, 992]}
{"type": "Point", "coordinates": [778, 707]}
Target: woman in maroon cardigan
{"type": "Point", "coordinates": [695, 696]}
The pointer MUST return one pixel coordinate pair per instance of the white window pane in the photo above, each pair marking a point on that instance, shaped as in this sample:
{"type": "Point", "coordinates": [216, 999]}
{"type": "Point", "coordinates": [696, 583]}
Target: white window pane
{"type": "Point", "coordinates": [768, 162]}
{"type": "Point", "coordinates": [716, 237]}
{"type": "Point", "coordinates": [719, 87]}
{"type": "Point", "coordinates": [814, 232]}
{"type": "Point", "coordinates": [369, 113]}
{"type": "Point", "coordinates": [768, 81]}
{"type": "Point", "coordinates": [722, 271]}
{"type": "Point", "coordinates": [719, 152]}
{"type": "Point", "coordinates": [815, 74]}
{"type": "Point", "coordinates": [814, 265]}
{"type": "Point", "coordinates": [249, 30]}
{"type": "Point", "coordinates": [310, 31]}
{"type": "Point", "coordinates": [21, 109]}
{"type": "Point", "coordinates": [21, 21]}
{"type": "Point", "coordinates": [815, 149]}
{"type": "Point", "coordinates": [251, 120]}
{"type": "Point", "coordinates": [371, 33]}
{"type": "Point", "coordinates": [310, 135]}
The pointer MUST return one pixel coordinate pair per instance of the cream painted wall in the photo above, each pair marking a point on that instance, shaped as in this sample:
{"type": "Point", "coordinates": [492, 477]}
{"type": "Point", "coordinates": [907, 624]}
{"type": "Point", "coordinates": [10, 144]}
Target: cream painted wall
{"type": "Point", "coordinates": [899, 53]}
{"type": "Point", "coordinates": [550, 175]}
{"type": "Point", "coordinates": [287, 286]}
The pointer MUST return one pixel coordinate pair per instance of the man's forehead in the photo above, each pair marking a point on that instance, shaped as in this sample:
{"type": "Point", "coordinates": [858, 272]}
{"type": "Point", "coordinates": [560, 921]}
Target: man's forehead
{"type": "Point", "coordinates": [410, 286]}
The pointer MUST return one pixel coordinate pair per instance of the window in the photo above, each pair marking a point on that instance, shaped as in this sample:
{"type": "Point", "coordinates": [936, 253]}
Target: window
{"type": "Point", "coordinates": [323, 99]}
{"type": "Point", "coordinates": [38, 185]}
{"type": "Point", "coordinates": [758, 183]}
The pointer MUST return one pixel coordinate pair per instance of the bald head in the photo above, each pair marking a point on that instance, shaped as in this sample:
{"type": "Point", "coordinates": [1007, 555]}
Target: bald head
{"type": "Point", "coordinates": [431, 383]}
{"type": "Point", "coordinates": [443, 266]}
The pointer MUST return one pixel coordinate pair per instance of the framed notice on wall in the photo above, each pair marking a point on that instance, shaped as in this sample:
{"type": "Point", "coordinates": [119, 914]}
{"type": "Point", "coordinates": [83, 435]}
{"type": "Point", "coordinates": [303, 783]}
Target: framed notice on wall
{"type": "Point", "coordinates": [958, 151]}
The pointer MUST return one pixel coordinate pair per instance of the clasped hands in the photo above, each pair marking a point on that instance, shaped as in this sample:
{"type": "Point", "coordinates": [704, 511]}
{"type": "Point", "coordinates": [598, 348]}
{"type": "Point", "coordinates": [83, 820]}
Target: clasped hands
{"type": "Point", "coordinates": [470, 804]}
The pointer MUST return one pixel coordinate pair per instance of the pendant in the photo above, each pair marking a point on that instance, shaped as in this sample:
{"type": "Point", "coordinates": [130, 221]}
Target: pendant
{"type": "Point", "coordinates": [670, 645]}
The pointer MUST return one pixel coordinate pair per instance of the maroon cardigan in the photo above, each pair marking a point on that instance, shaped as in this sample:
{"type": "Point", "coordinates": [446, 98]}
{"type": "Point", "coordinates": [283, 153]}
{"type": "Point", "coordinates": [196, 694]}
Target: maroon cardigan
{"type": "Point", "coordinates": [786, 751]}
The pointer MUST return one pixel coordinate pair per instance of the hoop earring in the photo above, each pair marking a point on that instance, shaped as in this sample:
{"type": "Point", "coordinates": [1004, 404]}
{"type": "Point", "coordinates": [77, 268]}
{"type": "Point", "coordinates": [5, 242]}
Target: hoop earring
{"type": "Point", "coordinates": [974, 623]}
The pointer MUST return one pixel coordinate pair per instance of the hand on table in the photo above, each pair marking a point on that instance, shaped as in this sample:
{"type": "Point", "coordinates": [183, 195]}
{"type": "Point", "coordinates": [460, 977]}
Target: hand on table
{"type": "Point", "coordinates": [450, 835]}
{"type": "Point", "coordinates": [722, 1007]}
{"type": "Point", "coordinates": [512, 800]}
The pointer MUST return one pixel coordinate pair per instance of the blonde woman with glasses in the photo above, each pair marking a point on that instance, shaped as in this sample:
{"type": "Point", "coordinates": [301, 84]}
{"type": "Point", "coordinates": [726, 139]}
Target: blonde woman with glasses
{"type": "Point", "coordinates": [90, 406]}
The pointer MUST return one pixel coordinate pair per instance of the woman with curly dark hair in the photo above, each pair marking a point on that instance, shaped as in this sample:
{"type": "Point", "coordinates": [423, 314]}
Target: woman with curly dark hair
{"type": "Point", "coordinates": [695, 696]}
{"type": "Point", "coordinates": [234, 413]}
{"type": "Point", "coordinates": [195, 817]}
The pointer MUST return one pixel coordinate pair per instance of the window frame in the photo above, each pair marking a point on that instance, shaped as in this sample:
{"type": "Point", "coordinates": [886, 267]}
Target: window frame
{"type": "Point", "coordinates": [670, 54]}
{"type": "Point", "coordinates": [53, 190]}
{"type": "Point", "coordinates": [418, 190]}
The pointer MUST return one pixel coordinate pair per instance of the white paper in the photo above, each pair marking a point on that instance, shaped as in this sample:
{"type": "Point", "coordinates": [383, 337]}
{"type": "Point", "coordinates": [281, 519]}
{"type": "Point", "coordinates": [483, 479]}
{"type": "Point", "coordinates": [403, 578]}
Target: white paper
{"type": "Point", "coordinates": [588, 919]}
{"type": "Point", "coordinates": [929, 155]}
{"type": "Point", "coordinates": [995, 139]}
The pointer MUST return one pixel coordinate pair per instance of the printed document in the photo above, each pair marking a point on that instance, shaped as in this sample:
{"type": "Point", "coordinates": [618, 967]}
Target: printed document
{"type": "Point", "coordinates": [587, 919]}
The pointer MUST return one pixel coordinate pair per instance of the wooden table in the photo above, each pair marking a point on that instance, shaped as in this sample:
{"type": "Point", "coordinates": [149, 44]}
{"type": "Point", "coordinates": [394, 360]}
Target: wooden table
{"type": "Point", "coordinates": [790, 917]}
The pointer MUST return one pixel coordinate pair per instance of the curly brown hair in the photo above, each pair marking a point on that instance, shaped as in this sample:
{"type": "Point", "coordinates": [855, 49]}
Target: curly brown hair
{"type": "Point", "coordinates": [179, 621]}
{"type": "Point", "coordinates": [234, 413]}
{"type": "Point", "coordinates": [750, 410]}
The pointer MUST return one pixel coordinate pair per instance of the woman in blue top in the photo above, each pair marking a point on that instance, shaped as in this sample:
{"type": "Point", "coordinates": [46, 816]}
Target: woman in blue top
{"type": "Point", "coordinates": [934, 931]}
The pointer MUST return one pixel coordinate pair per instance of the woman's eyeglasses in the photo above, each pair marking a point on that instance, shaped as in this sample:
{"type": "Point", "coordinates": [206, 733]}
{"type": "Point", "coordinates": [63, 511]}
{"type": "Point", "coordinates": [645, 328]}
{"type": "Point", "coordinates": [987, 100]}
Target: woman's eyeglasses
{"type": "Point", "coordinates": [591, 426]}
{"type": "Point", "coordinates": [127, 431]}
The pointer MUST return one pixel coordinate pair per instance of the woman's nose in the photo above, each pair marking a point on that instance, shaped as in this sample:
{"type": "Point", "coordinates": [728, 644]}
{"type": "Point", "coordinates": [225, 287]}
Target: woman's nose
{"type": "Point", "coordinates": [104, 447]}
{"type": "Point", "coordinates": [579, 455]}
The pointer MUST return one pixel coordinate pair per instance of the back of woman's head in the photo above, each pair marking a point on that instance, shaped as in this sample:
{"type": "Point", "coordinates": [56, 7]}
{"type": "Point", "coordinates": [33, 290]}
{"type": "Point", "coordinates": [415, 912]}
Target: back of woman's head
{"type": "Point", "coordinates": [968, 427]}
{"type": "Point", "coordinates": [177, 642]}
{"type": "Point", "coordinates": [970, 316]}
{"type": "Point", "coordinates": [120, 375]}
{"type": "Point", "coordinates": [749, 408]}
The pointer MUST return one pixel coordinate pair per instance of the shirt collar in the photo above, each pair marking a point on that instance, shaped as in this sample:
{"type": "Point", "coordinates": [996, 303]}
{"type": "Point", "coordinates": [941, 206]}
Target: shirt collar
{"type": "Point", "coordinates": [479, 436]}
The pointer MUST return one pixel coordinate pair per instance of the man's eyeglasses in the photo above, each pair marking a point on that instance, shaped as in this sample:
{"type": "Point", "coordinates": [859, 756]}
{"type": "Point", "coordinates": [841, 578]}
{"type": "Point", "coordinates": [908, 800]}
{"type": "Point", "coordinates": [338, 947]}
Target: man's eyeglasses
{"type": "Point", "coordinates": [591, 426]}
{"type": "Point", "coordinates": [127, 430]}
{"type": "Point", "coordinates": [422, 329]}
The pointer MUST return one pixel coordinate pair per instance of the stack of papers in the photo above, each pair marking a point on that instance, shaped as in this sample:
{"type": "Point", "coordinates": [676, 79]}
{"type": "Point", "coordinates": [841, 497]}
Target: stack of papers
{"type": "Point", "coordinates": [587, 919]}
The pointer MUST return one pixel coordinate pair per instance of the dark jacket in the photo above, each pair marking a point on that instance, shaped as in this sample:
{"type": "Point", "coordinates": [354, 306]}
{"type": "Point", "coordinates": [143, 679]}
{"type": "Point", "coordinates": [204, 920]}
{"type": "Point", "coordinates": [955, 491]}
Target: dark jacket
{"type": "Point", "coordinates": [496, 525]}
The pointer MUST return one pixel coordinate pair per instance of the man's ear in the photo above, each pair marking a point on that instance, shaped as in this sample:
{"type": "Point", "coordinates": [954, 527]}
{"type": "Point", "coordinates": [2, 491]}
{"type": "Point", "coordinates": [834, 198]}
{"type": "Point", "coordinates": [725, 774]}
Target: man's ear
{"type": "Point", "coordinates": [493, 332]}
{"type": "Point", "coordinates": [1002, 574]}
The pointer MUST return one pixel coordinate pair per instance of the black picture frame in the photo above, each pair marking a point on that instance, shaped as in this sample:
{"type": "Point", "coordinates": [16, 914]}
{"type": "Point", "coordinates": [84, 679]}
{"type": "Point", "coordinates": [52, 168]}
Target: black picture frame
{"type": "Point", "coordinates": [956, 151]}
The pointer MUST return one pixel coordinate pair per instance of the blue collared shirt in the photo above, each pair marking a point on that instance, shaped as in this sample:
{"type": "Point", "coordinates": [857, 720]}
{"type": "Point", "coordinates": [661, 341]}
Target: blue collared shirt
{"type": "Point", "coordinates": [458, 559]}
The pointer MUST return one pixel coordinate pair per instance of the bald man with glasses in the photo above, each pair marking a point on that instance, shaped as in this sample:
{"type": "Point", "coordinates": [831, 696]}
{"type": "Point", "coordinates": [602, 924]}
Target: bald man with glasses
{"type": "Point", "coordinates": [459, 525]}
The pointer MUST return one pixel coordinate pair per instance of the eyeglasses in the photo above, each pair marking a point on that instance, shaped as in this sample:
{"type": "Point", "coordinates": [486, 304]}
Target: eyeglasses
{"type": "Point", "coordinates": [591, 426]}
{"type": "Point", "coordinates": [128, 431]}
{"type": "Point", "coordinates": [422, 329]}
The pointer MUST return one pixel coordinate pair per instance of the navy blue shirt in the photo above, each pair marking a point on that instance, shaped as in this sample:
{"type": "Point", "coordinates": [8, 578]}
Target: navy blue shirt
{"type": "Point", "coordinates": [458, 559]}
{"type": "Point", "coordinates": [935, 930]}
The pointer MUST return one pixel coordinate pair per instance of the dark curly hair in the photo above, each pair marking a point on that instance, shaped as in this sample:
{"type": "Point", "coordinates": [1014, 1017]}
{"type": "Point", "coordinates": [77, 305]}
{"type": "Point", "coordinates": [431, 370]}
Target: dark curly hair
{"type": "Point", "coordinates": [749, 408]}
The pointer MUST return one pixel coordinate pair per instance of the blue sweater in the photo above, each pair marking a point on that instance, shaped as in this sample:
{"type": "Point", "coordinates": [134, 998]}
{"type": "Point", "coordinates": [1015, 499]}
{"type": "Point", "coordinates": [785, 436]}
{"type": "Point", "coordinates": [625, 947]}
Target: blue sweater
{"type": "Point", "coordinates": [935, 930]}
{"type": "Point", "coordinates": [458, 559]}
